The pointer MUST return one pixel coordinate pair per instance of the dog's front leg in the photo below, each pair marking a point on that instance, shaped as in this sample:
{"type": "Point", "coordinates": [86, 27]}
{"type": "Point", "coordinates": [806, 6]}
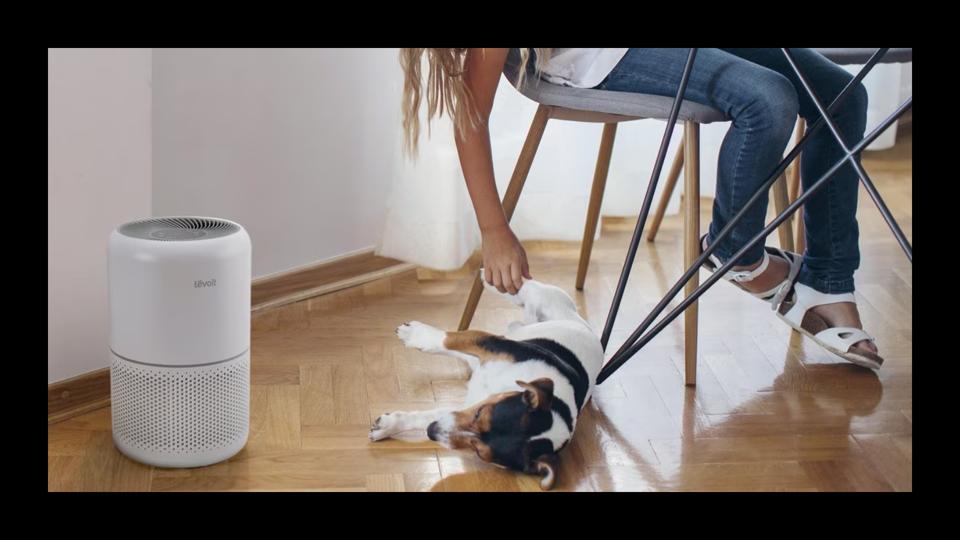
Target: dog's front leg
{"type": "Point", "coordinates": [412, 425]}
{"type": "Point", "coordinates": [462, 345]}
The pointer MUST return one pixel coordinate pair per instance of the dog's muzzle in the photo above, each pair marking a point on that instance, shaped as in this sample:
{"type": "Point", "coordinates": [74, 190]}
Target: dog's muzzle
{"type": "Point", "coordinates": [432, 430]}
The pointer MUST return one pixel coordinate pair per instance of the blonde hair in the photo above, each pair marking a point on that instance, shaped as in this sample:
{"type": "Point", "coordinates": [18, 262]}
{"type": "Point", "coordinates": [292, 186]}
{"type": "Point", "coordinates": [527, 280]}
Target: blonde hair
{"type": "Point", "coordinates": [446, 89]}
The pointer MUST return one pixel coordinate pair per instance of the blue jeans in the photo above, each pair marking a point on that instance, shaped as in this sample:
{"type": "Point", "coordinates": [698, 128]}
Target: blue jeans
{"type": "Point", "coordinates": [758, 90]}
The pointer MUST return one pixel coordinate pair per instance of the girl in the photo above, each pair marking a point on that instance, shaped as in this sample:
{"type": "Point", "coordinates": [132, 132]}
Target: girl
{"type": "Point", "coordinates": [757, 90]}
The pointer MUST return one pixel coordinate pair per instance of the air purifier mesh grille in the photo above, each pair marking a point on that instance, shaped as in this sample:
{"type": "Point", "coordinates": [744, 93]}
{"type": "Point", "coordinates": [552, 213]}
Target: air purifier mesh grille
{"type": "Point", "coordinates": [179, 411]}
{"type": "Point", "coordinates": [178, 229]}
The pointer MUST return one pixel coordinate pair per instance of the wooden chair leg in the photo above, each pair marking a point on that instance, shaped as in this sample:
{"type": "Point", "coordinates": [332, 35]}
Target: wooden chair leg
{"type": "Point", "coordinates": [596, 199]}
{"type": "Point", "coordinates": [520, 172]}
{"type": "Point", "coordinates": [691, 243]}
{"type": "Point", "coordinates": [796, 188]}
{"type": "Point", "coordinates": [668, 189]}
{"type": "Point", "coordinates": [801, 241]}
{"type": "Point", "coordinates": [793, 171]}
{"type": "Point", "coordinates": [778, 193]}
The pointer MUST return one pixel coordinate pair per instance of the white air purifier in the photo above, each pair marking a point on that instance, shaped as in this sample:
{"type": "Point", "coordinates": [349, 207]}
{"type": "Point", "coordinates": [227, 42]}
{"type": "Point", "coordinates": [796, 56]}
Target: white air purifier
{"type": "Point", "coordinates": [180, 339]}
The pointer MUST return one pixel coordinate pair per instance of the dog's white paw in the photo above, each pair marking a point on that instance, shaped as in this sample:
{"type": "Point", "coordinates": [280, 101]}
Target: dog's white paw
{"type": "Point", "coordinates": [382, 427]}
{"type": "Point", "coordinates": [421, 336]}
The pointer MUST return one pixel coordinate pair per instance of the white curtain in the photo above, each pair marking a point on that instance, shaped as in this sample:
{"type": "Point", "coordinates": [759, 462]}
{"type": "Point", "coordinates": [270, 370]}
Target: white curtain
{"type": "Point", "coordinates": [887, 85]}
{"type": "Point", "coordinates": [430, 219]}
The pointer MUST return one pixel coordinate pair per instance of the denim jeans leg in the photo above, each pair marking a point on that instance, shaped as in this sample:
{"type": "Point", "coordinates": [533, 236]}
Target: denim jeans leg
{"type": "Point", "coordinates": [832, 233]}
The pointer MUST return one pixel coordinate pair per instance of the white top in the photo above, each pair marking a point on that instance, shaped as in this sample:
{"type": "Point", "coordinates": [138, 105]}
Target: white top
{"type": "Point", "coordinates": [581, 68]}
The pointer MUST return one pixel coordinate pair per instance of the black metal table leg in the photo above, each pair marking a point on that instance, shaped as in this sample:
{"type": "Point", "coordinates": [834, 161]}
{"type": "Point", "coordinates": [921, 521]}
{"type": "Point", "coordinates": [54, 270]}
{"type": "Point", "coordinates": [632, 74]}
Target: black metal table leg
{"type": "Point", "coordinates": [647, 199]}
{"type": "Point", "coordinates": [658, 309]}
{"type": "Point", "coordinates": [632, 345]}
{"type": "Point", "coordinates": [695, 267]}
{"type": "Point", "coordinates": [864, 177]}
{"type": "Point", "coordinates": [620, 359]}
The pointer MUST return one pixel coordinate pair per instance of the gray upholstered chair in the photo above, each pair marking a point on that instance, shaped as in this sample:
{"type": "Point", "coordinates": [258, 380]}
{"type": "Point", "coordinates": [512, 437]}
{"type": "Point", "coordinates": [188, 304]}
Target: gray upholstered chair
{"type": "Point", "coordinates": [609, 108]}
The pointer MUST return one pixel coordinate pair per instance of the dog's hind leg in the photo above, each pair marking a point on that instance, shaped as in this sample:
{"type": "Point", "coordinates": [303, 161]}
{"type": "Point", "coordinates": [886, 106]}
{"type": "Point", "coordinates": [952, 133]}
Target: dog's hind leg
{"type": "Point", "coordinates": [526, 298]}
{"type": "Point", "coordinates": [541, 302]}
{"type": "Point", "coordinates": [407, 425]}
{"type": "Point", "coordinates": [512, 298]}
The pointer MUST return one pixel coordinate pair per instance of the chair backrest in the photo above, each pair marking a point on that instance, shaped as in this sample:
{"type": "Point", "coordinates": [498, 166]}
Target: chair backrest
{"type": "Point", "coordinates": [860, 56]}
{"type": "Point", "coordinates": [511, 69]}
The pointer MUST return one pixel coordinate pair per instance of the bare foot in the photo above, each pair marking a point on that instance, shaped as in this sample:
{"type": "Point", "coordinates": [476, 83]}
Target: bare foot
{"type": "Point", "coordinates": [845, 314]}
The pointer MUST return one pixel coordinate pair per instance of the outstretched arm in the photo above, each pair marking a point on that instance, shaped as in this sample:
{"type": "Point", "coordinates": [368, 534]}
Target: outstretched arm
{"type": "Point", "coordinates": [504, 259]}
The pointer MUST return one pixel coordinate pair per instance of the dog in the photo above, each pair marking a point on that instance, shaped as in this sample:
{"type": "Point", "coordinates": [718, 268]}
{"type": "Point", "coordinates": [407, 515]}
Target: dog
{"type": "Point", "coordinates": [526, 391]}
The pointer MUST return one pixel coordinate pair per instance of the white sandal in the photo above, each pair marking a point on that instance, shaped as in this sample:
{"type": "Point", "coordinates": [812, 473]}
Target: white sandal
{"type": "Point", "coordinates": [795, 310]}
{"type": "Point", "coordinates": [775, 295]}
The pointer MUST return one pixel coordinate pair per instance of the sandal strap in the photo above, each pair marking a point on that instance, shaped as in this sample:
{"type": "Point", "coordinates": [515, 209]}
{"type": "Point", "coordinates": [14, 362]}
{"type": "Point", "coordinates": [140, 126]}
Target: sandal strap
{"type": "Point", "coordinates": [795, 261]}
{"type": "Point", "coordinates": [842, 338]}
{"type": "Point", "coordinates": [742, 276]}
{"type": "Point", "coordinates": [776, 294]}
{"type": "Point", "coordinates": [807, 297]}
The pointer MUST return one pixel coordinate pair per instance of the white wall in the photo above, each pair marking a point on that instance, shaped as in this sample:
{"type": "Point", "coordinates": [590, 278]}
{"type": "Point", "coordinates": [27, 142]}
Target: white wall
{"type": "Point", "coordinates": [98, 144]}
{"type": "Point", "coordinates": [289, 143]}
{"type": "Point", "coordinates": [294, 144]}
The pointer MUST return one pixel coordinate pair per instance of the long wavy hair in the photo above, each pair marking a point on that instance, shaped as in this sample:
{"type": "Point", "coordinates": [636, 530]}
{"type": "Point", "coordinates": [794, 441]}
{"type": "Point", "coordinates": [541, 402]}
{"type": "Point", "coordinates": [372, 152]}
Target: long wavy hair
{"type": "Point", "coordinates": [446, 89]}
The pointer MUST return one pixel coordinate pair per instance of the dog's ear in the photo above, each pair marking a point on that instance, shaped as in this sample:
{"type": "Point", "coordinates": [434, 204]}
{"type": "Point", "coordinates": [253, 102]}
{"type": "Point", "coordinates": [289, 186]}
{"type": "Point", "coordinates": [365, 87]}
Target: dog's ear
{"type": "Point", "coordinates": [545, 466]}
{"type": "Point", "coordinates": [538, 394]}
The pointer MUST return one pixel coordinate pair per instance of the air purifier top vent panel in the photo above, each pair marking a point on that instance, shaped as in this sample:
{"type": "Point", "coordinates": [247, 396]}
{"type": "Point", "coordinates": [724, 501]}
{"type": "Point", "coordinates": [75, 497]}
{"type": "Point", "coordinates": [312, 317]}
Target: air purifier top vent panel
{"type": "Point", "coordinates": [178, 229]}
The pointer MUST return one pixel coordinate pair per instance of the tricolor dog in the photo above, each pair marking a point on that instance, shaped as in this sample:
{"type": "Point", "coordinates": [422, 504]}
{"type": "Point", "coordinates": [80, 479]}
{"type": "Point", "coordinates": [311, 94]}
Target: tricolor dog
{"type": "Point", "coordinates": [526, 390]}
